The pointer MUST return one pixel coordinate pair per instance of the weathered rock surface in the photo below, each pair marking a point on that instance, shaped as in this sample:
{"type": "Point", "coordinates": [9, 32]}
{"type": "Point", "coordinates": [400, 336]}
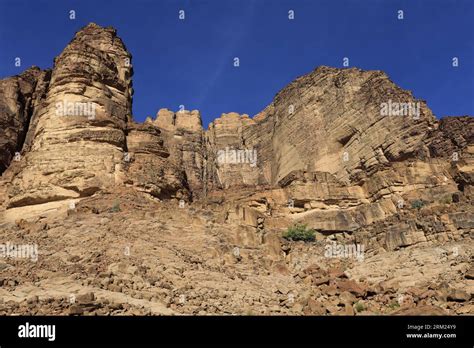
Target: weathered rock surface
{"type": "Point", "coordinates": [183, 134]}
{"type": "Point", "coordinates": [331, 120]}
{"type": "Point", "coordinates": [78, 140]}
{"type": "Point", "coordinates": [19, 96]}
{"type": "Point", "coordinates": [139, 256]}
{"type": "Point", "coordinates": [98, 193]}
{"type": "Point", "coordinates": [147, 164]}
{"type": "Point", "coordinates": [453, 135]}
{"type": "Point", "coordinates": [232, 159]}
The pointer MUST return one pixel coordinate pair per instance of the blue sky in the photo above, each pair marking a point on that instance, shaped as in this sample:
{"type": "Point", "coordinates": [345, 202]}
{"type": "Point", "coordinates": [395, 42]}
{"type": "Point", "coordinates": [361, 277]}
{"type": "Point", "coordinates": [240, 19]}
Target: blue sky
{"type": "Point", "coordinates": [190, 62]}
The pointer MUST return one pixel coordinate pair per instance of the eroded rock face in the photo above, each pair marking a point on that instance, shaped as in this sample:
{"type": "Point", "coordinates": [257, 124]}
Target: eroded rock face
{"type": "Point", "coordinates": [453, 135]}
{"type": "Point", "coordinates": [347, 147]}
{"type": "Point", "coordinates": [341, 122]}
{"type": "Point", "coordinates": [148, 167]}
{"type": "Point", "coordinates": [183, 134]}
{"type": "Point", "coordinates": [19, 96]}
{"type": "Point", "coordinates": [343, 151]}
{"type": "Point", "coordinates": [232, 160]}
{"type": "Point", "coordinates": [453, 141]}
{"type": "Point", "coordinates": [77, 141]}
{"type": "Point", "coordinates": [337, 121]}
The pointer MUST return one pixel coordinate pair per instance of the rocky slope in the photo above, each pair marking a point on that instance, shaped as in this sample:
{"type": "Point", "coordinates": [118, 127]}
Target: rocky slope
{"type": "Point", "coordinates": [166, 217]}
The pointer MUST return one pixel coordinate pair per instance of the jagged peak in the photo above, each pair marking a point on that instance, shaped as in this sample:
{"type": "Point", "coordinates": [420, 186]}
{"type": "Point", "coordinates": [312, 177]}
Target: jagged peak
{"type": "Point", "coordinates": [97, 28]}
{"type": "Point", "coordinates": [32, 72]}
{"type": "Point", "coordinates": [101, 38]}
{"type": "Point", "coordinates": [164, 111]}
{"type": "Point", "coordinates": [185, 119]}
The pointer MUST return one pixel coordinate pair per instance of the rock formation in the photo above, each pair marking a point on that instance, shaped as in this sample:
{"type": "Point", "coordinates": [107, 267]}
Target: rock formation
{"type": "Point", "coordinates": [345, 152]}
{"type": "Point", "coordinates": [78, 138]}
{"type": "Point", "coordinates": [183, 134]}
{"type": "Point", "coordinates": [19, 97]}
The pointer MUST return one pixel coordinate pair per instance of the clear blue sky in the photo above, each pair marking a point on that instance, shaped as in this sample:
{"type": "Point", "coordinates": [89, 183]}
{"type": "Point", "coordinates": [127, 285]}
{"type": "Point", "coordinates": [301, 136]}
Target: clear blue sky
{"type": "Point", "coordinates": [190, 62]}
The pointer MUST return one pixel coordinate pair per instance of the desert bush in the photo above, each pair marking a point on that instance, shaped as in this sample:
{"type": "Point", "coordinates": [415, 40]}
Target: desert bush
{"type": "Point", "coordinates": [359, 307]}
{"type": "Point", "coordinates": [394, 305]}
{"type": "Point", "coordinates": [448, 199]}
{"type": "Point", "coordinates": [417, 204]}
{"type": "Point", "coordinates": [300, 232]}
{"type": "Point", "coordinates": [115, 208]}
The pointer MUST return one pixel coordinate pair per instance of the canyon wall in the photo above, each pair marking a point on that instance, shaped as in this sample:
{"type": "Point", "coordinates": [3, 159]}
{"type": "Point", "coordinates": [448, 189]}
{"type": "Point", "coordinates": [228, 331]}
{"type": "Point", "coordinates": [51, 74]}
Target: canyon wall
{"type": "Point", "coordinates": [337, 149]}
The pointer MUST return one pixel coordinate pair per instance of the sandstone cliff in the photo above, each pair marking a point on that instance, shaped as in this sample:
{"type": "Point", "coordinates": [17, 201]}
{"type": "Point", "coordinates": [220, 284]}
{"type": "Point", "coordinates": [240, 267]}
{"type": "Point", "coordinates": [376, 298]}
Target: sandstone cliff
{"type": "Point", "coordinates": [78, 137]}
{"type": "Point", "coordinates": [19, 97]}
{"type": "Point", "coordinates": [344, 151]}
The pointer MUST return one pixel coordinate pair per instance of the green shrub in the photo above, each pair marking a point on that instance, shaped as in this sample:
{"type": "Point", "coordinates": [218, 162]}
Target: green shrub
{"type": "Point", "coordinates": [115, 208]}
{"type": "Point", "coordinates": [417, 204]}
{"type": "Point", "coordinates": [359, 307]}
{"type": "Point", "coordinates": [394, 305]}
{"type": "Point", "coordinates": [300, 232]}
{"type": "Point", "coordinates": [448, 199]}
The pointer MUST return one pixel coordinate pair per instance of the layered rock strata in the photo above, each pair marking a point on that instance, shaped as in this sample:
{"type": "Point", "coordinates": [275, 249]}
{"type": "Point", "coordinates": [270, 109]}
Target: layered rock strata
{"type": "Point", "coordinates": [337, 149]}
{"type": "Point", "coordinates": [346, 152]}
